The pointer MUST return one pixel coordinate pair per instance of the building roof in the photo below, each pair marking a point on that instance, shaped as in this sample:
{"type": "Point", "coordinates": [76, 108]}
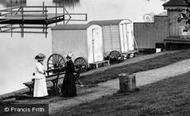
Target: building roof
{"type": "Point", "coordinates": [70, 27]}
{"type": "Point", "coordinates": [106, 22]}
{"type": "Point", "coordinates": [85, 26]}
{"type": "Point", "coordinates": [177, 3]}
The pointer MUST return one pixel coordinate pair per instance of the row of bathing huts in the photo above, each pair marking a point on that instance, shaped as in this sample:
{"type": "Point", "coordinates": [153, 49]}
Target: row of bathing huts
{"type": "Point", "coordinates": [95, 42]}
{"type": "Point", "coordinates": [99, 40]}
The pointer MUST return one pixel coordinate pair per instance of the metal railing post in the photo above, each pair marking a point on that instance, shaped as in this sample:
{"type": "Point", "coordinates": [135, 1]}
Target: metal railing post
{"type": "Point", "coordinates": [56, 13]}
{"type": "Point", "coordinates": [46, 17]}
{"type": "Point", "coordinates": [22, 24]}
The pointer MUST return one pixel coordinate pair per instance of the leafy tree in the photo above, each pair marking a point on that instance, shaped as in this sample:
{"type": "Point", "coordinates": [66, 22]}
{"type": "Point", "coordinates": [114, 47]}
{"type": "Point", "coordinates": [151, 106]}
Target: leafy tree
{"type": "Point", "coordinates": [185, 16]}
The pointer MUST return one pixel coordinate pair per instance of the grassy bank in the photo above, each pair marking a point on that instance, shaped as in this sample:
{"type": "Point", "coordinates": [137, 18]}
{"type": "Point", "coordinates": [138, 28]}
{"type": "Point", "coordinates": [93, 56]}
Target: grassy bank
{"type": "Point", "coordinates": [153, 63]}
{"type": "Point", "coordinates": [170, 97]}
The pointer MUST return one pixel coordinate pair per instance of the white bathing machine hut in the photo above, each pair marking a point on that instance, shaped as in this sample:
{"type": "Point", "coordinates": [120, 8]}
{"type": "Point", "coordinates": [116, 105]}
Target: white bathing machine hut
{"type": "Point", "coordinates": [82, 40]}
{"type": "Point", "coordinates": [118, 37]}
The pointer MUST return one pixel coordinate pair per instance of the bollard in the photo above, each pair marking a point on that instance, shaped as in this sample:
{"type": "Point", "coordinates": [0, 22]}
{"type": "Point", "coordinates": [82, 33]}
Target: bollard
{"type": "Point", "coordinates": [127, 83]}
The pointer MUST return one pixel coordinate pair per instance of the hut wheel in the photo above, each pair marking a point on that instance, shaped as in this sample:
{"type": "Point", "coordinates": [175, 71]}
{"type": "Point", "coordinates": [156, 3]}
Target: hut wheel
{"type": "Point", "coordinates": [115, 55]}
{"type": "Point", "coordinates": [55, 61]}
{"type": "Point", "coordinates": [81, 64]}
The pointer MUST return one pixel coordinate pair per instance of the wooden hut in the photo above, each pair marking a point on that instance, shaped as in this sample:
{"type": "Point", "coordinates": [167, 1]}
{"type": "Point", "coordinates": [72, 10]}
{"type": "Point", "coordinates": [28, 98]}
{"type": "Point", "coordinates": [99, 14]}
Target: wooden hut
{"type": "Point", "coordinates": [165, 32]}
{"type": "Point", "coordinates": [82, 40]}
{"type": "Point", "coordinates": [117, 36]}
{"type": "Point", "coordinates": [177, 38]}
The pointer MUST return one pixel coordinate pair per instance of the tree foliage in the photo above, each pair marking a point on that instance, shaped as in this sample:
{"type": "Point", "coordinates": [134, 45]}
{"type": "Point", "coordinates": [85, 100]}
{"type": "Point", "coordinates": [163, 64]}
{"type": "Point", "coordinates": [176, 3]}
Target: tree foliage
{"type": "Point", "coordinates": [184, 16]}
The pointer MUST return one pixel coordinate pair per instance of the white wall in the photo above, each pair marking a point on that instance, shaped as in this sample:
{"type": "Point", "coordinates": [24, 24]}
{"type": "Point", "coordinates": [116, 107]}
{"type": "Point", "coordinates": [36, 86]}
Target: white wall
{"type": "Point", "coordinates": [74, 41]}
{"type": "Point", "coordinates": [17, 58]}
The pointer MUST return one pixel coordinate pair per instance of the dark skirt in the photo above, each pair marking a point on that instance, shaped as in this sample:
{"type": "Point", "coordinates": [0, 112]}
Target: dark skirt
{"type": "Point", "coordinates": [68, 87]}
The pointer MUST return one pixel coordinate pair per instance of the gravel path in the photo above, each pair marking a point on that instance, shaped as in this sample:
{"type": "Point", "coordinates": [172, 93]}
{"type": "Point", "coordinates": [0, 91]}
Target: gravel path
{"type": "Point", "coordinates": [152, 76]}
{"type": "Point", "coordinates": [155, 75]}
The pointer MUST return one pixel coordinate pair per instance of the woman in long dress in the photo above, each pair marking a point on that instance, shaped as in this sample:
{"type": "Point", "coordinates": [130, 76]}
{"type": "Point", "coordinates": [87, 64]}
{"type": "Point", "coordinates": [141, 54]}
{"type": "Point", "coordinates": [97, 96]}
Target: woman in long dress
{"type": "Point", "coordinates": [68, 87]}
{"type": "Point", "coordinates": [40, 86]}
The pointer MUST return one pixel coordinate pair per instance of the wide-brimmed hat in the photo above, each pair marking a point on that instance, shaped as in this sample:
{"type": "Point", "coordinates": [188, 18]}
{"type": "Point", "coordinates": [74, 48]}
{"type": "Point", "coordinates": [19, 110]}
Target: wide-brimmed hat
{"type": "Point", "coordinates": [40, 56]}
{"type": "Point", "coordinates": [69, 55]}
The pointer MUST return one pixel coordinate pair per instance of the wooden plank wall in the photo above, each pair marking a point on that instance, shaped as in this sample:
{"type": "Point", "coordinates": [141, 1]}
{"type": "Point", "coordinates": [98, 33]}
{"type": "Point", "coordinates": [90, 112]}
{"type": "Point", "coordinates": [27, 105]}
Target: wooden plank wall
{"type": "Point", "coordinates": [111, 39]}
{"type": "Point", "coordinates": [147, 34]}
{"type": "Point", "coordinates": [174, 25]}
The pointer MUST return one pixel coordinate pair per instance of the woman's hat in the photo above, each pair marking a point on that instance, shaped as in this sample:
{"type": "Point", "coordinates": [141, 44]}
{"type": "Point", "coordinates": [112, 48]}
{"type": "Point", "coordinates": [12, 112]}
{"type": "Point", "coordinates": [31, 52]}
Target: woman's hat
{"type": "Point", "coordinates": [40, 56]}
{"type": "Point", "coordinates": [69, 55]}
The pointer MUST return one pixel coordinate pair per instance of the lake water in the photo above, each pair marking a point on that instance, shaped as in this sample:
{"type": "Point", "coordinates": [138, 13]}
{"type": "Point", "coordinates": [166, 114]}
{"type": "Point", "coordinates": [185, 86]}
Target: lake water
{"type": "Point", "coordinates": [17, 54]}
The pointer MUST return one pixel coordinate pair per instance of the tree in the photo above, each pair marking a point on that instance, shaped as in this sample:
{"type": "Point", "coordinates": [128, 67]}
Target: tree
{"type": "Point", "coordinates": [185, 16]}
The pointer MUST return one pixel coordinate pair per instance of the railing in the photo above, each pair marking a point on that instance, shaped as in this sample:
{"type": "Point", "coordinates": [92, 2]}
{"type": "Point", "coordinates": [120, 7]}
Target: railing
{"type": "Point", "coordinates": [24, 13]}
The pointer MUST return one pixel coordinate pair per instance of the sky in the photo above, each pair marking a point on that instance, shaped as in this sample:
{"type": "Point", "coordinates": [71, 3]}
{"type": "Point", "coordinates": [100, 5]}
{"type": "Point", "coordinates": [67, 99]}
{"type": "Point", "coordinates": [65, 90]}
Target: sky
{"type": "Point", "coordinates": [113, 9]}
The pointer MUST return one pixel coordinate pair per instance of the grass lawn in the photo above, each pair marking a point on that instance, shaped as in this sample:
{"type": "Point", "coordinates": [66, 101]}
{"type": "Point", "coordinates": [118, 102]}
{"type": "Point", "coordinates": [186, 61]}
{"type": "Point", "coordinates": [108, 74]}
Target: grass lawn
{"type": "Point", "coordinates": [153, 63]}
{"type": "Point", "coordinates": [170, 97]}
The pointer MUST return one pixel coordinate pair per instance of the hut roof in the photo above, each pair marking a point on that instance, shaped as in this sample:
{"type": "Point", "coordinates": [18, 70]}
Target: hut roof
{"type": "Point", "coordinates": [177, 3]}
{"type": "Point", "coordinates": [106, 22]}
{"type": "Point", "coordinates": [70, 27]}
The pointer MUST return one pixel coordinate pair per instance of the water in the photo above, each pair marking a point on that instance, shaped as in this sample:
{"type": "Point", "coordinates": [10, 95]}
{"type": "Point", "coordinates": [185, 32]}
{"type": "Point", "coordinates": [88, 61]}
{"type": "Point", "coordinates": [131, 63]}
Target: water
{"type": "Point", "coordinates": [17, 54]}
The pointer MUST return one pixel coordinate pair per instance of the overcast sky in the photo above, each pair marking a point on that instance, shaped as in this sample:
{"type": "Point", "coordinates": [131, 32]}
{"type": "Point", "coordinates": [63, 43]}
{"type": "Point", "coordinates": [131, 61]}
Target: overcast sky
{"type": "Point", "coordinates": [109, 9]}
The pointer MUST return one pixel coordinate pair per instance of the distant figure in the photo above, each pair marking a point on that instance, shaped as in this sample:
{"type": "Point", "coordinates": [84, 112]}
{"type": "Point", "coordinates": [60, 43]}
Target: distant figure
{"type": "Point", "coordinates": [40, 86]}
{"type": "Point", "coordinates": [68, 87]}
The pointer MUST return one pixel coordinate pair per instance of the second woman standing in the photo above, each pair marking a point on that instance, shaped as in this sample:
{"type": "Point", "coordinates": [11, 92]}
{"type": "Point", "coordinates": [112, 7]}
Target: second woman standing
{"type": "Point", "coordinates": [68, 87]}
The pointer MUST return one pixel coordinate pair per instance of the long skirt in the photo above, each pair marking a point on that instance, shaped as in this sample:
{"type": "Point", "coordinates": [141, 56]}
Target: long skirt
{"type": "Point", "coordinates": [40, 87]}
{"type": "Point", "coordinates": [68, 87]}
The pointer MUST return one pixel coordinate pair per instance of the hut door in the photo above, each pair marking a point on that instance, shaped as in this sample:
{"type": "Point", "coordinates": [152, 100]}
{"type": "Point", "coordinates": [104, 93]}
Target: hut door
{"type": "Point", "coordinates": [95, 45]}
{"type": "Point", "coordinates": [130, 36]}
{"type": "Point", "coordinates": [124, 37]}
